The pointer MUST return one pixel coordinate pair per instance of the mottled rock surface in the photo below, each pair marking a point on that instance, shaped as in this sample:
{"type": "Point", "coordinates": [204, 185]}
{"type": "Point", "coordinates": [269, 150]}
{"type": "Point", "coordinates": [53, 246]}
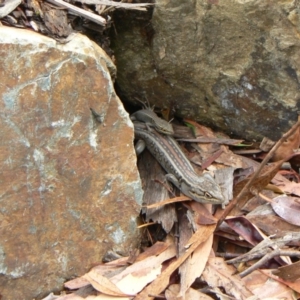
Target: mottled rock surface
{"type": "Point", "coordinates": [69, 187]}
{"type": "Point", "coordinates": [233, 65]}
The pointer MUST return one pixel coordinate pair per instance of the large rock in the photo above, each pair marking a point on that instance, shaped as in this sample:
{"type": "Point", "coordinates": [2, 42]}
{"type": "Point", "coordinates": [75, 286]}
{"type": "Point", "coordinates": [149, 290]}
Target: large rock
{"type": "Point", "coordinates": [69, 187]}
{"type": "Point", "coordinates": [229, 64]}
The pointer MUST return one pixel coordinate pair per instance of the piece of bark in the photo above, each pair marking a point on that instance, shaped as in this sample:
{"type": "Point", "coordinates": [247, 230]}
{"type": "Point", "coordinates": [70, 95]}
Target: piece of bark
{"type": "Point", "coordinates": [79, 11]}
{"type": "Point", "coordinates": [9, 6]}
{"type": "Point", "coordinates": [266, 144]}
{"type": "Point", "coordinates": [56, 20]}
{"type": "Point", "coordinates": [153, 177]}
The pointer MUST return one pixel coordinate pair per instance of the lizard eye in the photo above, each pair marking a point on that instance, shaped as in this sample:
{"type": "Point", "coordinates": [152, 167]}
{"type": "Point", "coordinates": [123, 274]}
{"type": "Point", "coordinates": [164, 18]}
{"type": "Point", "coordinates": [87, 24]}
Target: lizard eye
{"type": "Point", "coordinates": [207, 195]}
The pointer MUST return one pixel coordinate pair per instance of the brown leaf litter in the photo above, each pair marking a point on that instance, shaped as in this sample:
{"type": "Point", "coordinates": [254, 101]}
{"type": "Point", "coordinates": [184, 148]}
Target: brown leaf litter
{"type": "Point", "coordinates": [244, 255]}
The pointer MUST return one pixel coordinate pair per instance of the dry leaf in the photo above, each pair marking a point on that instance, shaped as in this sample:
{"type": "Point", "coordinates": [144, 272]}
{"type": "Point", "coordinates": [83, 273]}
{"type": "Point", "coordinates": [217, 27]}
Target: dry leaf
{"type": "Point", "coordinates": [51, 296]}
{"type": "Point", "coordinates": [286, 186]}
{"type": "Point", "coordinates": [169, 201]}
{"type": "Point", "coordinates": [293, 285]}
{"type": "Point", "coordinates": [262, 286]}
{"type": "Point", "coordinates": [135, 277]}
{"type": "Point", "coordinates": [267, 223]}
{"type": "Point", "coordinates": [217, 273]}
{"type": "Point", "coordinates": [133, 283]}
{"type": "Point", "coordinates": [103, 284]}
{"type": "Point", "coordinates": [289, 272]}
{"type": "Point", "coordinates": [162, 281]}
{"type": "Point", "coordinates": [274, 188]}
{"type": "Point", "coordinates": [156, 249]}
{"type": "Point", "coordinates": [201, 214]}
{"type": "Point", "coordinates": [288, 208]}
{"type": "Point", "coordinates": [286, 149]}
{"type": "Point", "coordinates": [266, 175]}
{"type": "Point", "coordinates": [76, 283]}
{"type": "Point", "coordinates": [129, 279]}
{"type": "Point", "coordinates": [245, 229]}
{"type": "Point", "coordinates": [193, 267]}
{"type": "Point", "coordinates": [200, 130]}
{"type": "Point", "coordinates": [68, 297]}
{"type": "Point", "coordinates": [208, 161]}
{"type": "Point", "coordinates": [102, 269]}
{"type": "Point", "coordinates": [230, 159]}
{"type": "Point", "coordinates": [104, 297]}
{"type": "Point", "coordinates": [191, 294]}
{"type": "Point", "coordinates": [206, 140]}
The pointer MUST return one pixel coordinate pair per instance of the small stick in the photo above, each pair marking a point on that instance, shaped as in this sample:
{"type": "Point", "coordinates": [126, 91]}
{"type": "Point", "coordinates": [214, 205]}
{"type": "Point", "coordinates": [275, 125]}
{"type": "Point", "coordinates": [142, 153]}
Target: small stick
{"type": "Point", "coordinates": [265, 198]}
{"type": "Point", "coordinates": [267, 257]}
{"type": "Point", "coordinates": [79, 11]}
{"type": "Point", "coordinates": [257, 172]}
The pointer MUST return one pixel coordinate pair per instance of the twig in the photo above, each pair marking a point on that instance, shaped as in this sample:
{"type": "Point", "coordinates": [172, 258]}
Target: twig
{"type": "Point", "coordinates": [116, 4]}
{"type": "Point", "coordinates": [226, 255]}
{"type": "Point", "coordinates": [262, 196]}
{"type": "Point", "coordinates": [205, 140]}
{"type": "Point", "coordinates": [79, 11]}
{"type": "Point", "coordinates": [267, 249]}
{"type": "Point", "coordinates": [267, 257]}
{"type": "Point", "coordinates": [260, 249]}
{"type": "Point", "coordinates": [245, 189]}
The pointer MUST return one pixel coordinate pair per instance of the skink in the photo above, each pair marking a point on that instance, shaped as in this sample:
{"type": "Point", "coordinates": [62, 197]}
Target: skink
{"type": "Point", "coordinates": [150, 118]}
{"type": "Point", "coordinates": [167, 152]}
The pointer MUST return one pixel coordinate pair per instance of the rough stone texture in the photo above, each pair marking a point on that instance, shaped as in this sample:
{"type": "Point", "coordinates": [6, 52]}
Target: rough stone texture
{"type": "Point", "coordinates": [68, 184]}
{"type": "Point", "coordinates": [230, 64]}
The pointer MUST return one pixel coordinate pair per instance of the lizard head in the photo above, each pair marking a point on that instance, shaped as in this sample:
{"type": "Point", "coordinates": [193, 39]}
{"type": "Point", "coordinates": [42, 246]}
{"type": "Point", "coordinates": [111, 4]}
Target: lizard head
{"type": "Point", "coordinates": [205, 190]}
{"type": "Point", "coordinates": [163, 126]}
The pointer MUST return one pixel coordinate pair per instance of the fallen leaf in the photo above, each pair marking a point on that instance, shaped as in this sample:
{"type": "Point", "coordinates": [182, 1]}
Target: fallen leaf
{"type": "Point", "coordinates": [242, 174]}
{"type": "Point", "coordinates": [274, 188]}
{"type": "Point", "coordinates": [208, 161]}
{"type": "Point", "coordinates": [51, 296]}
{"type": "Point", "coordinates": [104, 297]}
{"type": "Point", "coordinates": [289, 272]}
{"type": "Point", "coordinates": [195, 263]}
{"type": "Point", "coordinates": [288, 208]}
{"type": "Point", "coordinates": [265, 288]}
{"type": "Point", "coordinates": [286, 149]}
{"type": "Point", "coordinates": [103, 284]}
{"type": "Point", "coordinates": [201, 215]}
{"type": "Point", "coordinates": [230, 159]}
{"type": "Point", "coordinates": [133, 283]}
{"type": "Point", "coordinates": [193, 267]}
{"type": "Point", "coordinates": [102, 269]}
{"type": "Point", "coordinates": [169, 201]}
{"type": "Point", "coordinates": [162, 281]}
{"type": "Point", "coordinates": [76, 283]}
{"type": "Point", "coordinates": [286, 186]}
{"type": "Point", "coordinates": [199, 130]}
{"type": "Point", "coordinates": [135, 277]}
{"type": "Point", "coordinates": [243, 227]}
{"type": "Point", "coordinates": [191, 294]}
{"type": "Point", "coordinates": [155, 249]}
{"type": "Point", "coordinates": [218, 274]}
{"type": "Point", "coordinates": [66, 297]}
{"type": "Point", "coordinates": [266, 175]}
{"type": "Point", "coordinates": [206, 140]}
